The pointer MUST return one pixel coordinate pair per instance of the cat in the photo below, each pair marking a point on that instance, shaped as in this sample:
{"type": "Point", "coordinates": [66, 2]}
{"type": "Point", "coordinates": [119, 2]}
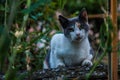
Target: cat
{"type": "Point", "coordinates": [72, 47]}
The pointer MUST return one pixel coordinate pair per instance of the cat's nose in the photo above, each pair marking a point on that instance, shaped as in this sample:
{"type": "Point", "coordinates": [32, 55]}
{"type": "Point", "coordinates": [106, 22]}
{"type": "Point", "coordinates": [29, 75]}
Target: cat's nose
{"type": "Point", "coordinates": [78, 34]}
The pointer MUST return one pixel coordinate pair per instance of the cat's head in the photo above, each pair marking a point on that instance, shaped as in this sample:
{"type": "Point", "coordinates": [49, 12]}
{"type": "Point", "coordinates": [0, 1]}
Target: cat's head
{"type": "Point", "coordinates": [76, 29]}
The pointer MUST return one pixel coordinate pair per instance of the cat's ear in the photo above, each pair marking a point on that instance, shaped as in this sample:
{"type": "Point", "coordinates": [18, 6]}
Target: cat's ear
{"type": "Point", "coordinates": [63, 21]}
{"type": "Point", "coordinates": [83, 15]}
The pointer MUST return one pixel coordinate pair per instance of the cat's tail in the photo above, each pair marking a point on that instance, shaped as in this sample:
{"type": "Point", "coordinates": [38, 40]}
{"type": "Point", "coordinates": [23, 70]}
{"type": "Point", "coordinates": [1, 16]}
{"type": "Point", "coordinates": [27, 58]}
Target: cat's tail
{"type": "Point", "coordinates": [46, 63]}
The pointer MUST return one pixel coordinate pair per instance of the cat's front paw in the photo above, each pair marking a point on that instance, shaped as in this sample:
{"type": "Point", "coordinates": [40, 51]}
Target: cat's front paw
{"type": "Point", "coordinates": [60, 65]}
{"type": "Point", "coordinates": [87, 63]}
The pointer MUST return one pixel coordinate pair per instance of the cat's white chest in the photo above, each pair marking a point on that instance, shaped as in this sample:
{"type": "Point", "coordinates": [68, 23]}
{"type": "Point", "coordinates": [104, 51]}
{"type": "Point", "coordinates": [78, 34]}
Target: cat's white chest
{"type": "Point", "coordinates": [71, 56]}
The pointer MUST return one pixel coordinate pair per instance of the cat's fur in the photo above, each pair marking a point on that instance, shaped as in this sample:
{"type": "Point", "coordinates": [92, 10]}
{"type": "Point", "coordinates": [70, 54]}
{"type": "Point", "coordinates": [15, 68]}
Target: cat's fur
{"type": "Point", "coordinates": [71, 48]}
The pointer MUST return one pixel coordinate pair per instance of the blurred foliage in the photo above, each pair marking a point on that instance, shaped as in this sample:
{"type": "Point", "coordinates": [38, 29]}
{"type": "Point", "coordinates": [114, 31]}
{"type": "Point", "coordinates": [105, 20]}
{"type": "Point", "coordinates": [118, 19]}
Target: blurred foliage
{"type": "Point", "coordinates": [78, 4]}
{"type": "Point", "coordinates": [26, 27]}
{"type": "Point", "coordinates": [105, 43]}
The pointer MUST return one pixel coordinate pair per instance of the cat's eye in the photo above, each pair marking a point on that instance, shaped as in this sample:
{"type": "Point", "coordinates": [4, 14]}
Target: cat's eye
{"type": "Point", "coordinates": [81, 27]}
{"type": "Point", "coordinates": [71, 29]}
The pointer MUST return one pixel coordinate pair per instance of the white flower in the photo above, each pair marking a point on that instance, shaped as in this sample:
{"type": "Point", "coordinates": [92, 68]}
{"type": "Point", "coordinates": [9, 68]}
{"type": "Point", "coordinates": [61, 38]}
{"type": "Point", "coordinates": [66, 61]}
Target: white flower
{"type": "Point", "coordinates": [48, 47]}
{"type": "Point", "coordinates": [44, 30]}
{"type": "Point", "coordinates": [91, 32]}
{"type": "Point", "coordinates": [31, 30]}
{"type": "Point", "coordinates": [43, 40]}
{"type": "Point", "coordinates": [40, 45]}
{"type": "Point", "coordinates": [97, 35]}
{"type": "Point", "coordinates": [18, 34]}
{"type": "Point", "coordinates": [52, 32]}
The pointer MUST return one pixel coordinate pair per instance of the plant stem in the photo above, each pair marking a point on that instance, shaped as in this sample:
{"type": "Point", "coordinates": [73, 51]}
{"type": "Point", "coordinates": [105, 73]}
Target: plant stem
{"type": "Point", "coordinates": [25, 18]}
{"type": "Point", "coordinates": [5, 24]}
{"type": "Point", "coordinates": [12, 14]}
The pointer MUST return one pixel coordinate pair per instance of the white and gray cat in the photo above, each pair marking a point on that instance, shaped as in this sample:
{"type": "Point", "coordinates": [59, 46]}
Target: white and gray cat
{"type": "Point", "coordinates": [71, 48]}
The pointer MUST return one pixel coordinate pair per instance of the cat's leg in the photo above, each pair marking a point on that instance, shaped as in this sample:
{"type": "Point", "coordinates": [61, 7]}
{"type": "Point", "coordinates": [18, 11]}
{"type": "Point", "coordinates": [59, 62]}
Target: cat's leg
{"type": "Point", "coordinates": [88, 61]}
{"type": "Point", "coordinates": [59, 63]}
{"type": "Point", "coordinates": [46, 63]}
{"type": "Point", "coordinates": [55, 60]}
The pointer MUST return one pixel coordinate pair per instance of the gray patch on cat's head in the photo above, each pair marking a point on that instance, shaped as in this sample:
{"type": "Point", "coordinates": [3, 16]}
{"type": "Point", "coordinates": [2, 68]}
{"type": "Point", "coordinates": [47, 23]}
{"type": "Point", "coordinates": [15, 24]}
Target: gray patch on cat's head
{"type": "Point", "coordinates": [77, 19]}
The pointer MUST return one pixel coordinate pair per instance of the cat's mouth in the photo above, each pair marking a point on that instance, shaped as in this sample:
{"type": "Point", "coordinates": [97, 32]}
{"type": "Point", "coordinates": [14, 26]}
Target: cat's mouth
{"type": "Point", "coordinates": [78, 38]}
